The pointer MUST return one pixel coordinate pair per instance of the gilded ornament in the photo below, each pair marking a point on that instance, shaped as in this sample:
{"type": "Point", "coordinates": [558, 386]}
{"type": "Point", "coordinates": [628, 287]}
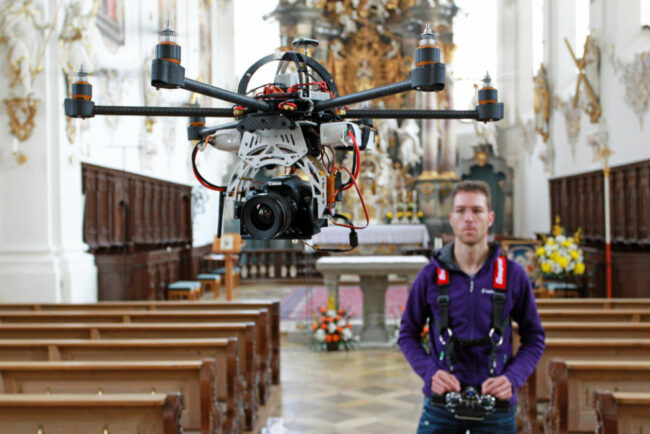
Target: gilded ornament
{"type": "Point", "coordinates": [21, 116]}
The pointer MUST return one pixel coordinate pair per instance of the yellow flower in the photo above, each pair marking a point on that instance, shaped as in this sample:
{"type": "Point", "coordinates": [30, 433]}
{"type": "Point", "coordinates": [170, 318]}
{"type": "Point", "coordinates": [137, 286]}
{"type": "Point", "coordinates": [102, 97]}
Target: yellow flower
{"type": "Point", "coordinates": [389, 215]}
{"type": "Point", "coordinates": [574, 254]}
{"type": "Point", "coordinates": [399, 214]}
{"type": "Point", "coordinates": [567, 243]}
{"type": "Point", "coordinates": [546, 267]}
{"type": "Point", "coordinates": [540, 251]}
{"type": "Point", "coordinates": [420, 214]}
{"type": "Point", "coordinates": [554, 256]}
{"type": "Point", "coordinates": [550, 241]}
{"type": "Point", "coordinates": [409, 214]}
{"type": "Point", "coordinates": [563, 262]}
{"type": "Point", "coordinates": [580, 268]}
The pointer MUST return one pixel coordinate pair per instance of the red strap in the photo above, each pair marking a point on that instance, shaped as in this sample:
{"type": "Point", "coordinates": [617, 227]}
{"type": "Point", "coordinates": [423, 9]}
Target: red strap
{"type": "Point", "coordinates": [443, 276]}
{"type": "Point", "coordinates": [500, 273]}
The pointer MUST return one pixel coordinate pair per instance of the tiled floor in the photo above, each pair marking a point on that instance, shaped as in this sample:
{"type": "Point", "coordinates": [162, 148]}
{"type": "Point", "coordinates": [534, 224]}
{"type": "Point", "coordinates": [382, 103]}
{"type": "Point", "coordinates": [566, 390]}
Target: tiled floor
{"type": "Point", "coordinates": [361, 391]}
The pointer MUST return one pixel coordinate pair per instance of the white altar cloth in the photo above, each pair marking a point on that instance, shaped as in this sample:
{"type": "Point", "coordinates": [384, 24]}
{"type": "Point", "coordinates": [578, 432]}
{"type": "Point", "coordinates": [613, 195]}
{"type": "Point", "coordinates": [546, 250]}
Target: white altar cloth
{"type": "Point", "coordinates": [375, 234]}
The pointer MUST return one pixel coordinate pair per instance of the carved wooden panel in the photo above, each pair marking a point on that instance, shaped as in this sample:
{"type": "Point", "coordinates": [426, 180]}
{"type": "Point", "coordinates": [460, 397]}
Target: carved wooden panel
{"type": "Point", "coordinates": [140, 230]}
{"type": "Point", "coordinates": [578, 200]}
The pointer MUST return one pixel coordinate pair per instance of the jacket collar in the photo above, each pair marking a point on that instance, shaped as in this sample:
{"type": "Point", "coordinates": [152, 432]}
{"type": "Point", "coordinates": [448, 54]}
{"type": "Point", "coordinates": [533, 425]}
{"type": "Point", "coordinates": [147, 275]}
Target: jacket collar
{"type": "Point", "coordinates": [445, 256]}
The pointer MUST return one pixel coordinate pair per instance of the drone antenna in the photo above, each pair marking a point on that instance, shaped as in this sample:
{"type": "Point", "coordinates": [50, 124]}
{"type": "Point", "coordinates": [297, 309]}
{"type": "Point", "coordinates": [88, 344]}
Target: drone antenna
{"type": "Point", "coordinates": [428, 36]}
{"type": "Point", "coordinates": [487, 80]}
{"type": "Point", "coordinates": [167, 34]}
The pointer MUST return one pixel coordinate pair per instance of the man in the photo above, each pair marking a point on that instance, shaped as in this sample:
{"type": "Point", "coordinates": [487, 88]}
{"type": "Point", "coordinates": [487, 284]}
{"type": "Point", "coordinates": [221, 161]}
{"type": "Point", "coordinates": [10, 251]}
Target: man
{"type": "Point", "coordinates": [462, 291]}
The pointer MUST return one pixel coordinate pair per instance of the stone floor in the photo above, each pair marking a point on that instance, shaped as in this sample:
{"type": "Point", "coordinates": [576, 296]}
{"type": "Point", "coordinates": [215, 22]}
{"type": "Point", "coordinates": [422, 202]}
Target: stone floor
{"type": "Point", "coordinates": [360, 391]}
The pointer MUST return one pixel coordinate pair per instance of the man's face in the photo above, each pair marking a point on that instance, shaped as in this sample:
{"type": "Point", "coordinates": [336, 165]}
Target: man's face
{"type": "Point", "coordinates": [470, 218]}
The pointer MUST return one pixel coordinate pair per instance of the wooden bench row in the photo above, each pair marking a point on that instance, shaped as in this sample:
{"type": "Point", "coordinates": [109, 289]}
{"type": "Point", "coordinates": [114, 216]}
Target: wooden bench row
{"type": "Point", "coordinates": [117, 413]}
{"type": "Point", "coordinates": [242, 379]}
{"type": "Point", "coordinates": [196, 379]}
{"type": "Point", "coordinates": [622, 412]}
{"type": "Point", "coordinates": [272, 307]}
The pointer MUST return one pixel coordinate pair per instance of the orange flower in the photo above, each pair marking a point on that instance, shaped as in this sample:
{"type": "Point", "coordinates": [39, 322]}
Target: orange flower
{"type": "Point", "coordinates": [323, 309]}
{"type": "Point", "coordinates": [403, 309]}
{"type": "Point", "coordinates": [339, 329]}
{"type": "Point", "coordinates": [323, 326]}
{"type": "Point", "coordinates": [335, 338]}
{"type": "Point", "coordinates": [314, 326]}
{"type": "Point", "coordinates": [348, 325]}
{"type": "Point", "coordinates": [338, 317]}
{"type": "Point", "coordinates": [328, 338]}
{"type": "Point", "coordinates": [323, 319]}
{"type": "Point", "coordinates": [330, 319]}
{"type": "Point", "coordinates": [341, 312]}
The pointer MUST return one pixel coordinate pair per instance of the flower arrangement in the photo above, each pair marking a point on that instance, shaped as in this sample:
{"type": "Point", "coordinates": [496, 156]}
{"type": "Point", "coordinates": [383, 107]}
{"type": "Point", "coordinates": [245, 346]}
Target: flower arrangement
{"type": "Point", "coordinates": [560, 255]}
{"type": "Point", "coordinates": [331, 330]}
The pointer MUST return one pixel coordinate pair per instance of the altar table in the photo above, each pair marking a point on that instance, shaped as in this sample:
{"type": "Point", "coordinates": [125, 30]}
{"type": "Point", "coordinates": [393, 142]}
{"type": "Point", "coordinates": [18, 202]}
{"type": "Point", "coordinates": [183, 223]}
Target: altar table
{"type": "Point", "coordinates": [373, 272]}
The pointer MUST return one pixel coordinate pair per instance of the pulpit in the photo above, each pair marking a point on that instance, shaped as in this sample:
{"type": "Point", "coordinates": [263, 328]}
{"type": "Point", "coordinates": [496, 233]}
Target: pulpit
{"type": "Point", "coordinates": [373, 272]}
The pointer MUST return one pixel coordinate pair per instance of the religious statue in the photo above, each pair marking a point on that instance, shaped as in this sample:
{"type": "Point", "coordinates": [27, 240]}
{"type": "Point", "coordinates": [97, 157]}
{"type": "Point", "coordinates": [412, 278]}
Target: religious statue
{"type": "Point", "coordinates": [76, 37]}
{"type": "Point", "coordinates": [22, 27]}
{"type": "Point", "coordinates": [542, 103]}
{"type": "Point", "coordinates": [410, 150]}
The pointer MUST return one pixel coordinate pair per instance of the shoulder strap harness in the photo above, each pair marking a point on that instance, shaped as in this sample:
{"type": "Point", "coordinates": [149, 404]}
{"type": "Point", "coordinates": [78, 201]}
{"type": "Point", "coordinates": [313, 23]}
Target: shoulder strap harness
{"type": "Point", "coordinates": [499, 325]}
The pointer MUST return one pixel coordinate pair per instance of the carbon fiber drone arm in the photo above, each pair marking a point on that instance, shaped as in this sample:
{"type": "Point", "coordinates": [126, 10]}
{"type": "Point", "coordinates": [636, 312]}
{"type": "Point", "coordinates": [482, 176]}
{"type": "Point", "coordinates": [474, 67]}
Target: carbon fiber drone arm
{"type": "Point", "coordinates": [484, 113]}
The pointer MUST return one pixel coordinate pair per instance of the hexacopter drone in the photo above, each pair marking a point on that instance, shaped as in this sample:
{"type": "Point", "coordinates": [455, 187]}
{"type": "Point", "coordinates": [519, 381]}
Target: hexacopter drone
{"type": "Point", "coordinates": [295, 122]}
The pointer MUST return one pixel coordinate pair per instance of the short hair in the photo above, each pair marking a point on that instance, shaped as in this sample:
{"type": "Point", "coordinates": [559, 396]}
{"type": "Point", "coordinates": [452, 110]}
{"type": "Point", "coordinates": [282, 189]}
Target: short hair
{"type": "Point", "coordinates": [473, 186]}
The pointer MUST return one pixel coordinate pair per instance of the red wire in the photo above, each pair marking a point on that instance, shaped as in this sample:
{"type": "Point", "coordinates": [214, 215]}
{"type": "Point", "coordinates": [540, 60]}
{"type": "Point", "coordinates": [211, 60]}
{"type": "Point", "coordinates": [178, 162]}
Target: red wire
{"type": "Point", "coordinates": [358, 156]}
{"type": "Point", "coordinates": [198, 176]}
{"type": "Point", "coordinates": [322, 84]}
{"type": "Point", "coordinates": [354, 181]}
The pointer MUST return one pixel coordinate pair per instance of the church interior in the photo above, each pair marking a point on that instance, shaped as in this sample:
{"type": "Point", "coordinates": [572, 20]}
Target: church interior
{"type": "Point", "coordinates": [152, 283]}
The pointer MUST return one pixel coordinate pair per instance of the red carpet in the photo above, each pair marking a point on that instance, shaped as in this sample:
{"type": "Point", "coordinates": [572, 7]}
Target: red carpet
{"type": "Point", "coordinates": [302, 302]}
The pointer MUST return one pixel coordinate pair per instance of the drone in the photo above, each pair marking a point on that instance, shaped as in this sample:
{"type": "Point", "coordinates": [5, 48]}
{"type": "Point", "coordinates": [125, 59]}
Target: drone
{"type": "Point", "coordinates": [296, 123]}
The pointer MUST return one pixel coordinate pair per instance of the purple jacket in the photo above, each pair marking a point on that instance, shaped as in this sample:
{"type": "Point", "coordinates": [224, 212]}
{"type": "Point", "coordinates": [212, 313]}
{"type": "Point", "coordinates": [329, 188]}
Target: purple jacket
{"type": "Point", "coordinates": [470, 317]}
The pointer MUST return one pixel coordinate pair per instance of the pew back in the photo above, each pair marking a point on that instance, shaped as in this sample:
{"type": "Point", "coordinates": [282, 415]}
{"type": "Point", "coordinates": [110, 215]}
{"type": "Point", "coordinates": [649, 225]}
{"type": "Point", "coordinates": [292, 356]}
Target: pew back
{"type": "Point", "coordinates": [71, 414]}
{"type": "Point", "coordinates": [622, 412]}
{"type": "Point", "coordinates": [223, 351]}
{"type": "Point", "coordinates": [196, 379]}
{"type": "Point", "coordinates": [595, 315]}
{"type": "Point", "coordinates": [587, 349]}
{"type": "Point", "coordinates": [573, 384]}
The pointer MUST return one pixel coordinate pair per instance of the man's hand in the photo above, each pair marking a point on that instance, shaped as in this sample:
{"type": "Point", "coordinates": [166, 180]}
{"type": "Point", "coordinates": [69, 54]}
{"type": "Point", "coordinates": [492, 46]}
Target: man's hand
{"type": "Point", "coordinates": [500, 387]}
{"type": "Point", "coordinates": [443, 382]}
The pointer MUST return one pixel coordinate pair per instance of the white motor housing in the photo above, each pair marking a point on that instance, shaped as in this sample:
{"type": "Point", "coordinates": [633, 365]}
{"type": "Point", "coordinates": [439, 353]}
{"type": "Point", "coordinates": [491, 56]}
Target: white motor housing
{"type": "Point", "coordinates": [333, 134]}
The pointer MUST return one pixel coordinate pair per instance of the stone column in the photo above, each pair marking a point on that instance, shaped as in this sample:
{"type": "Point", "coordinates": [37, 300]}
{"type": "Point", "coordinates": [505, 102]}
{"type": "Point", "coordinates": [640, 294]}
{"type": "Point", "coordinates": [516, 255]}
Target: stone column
{"type": "Point", "coordinates": [332, 284]}
{"type": "Point", "coordinates": [42, 254]}
{"type": "Point", "coordinates": [374, 308]}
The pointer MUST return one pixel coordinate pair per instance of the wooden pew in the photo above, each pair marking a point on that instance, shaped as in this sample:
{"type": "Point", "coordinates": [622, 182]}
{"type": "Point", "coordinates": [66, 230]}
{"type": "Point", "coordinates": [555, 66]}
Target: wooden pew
{"type": "Point", "coordinates": [593, 303]}
{"type": "Point", "coordinates": [595, 315]}
{"type": "Point", "coordinates": [572, 381]}
{"type": "Point", "coordinates": [273, 307]}
{"type": "Point", "coordinates": [118, 413]}
{"type": "Point", "coordinates": [196, 379]}
{"type": "Point", "coordinates": [575, 329]}
{"type": "Point", "coordinates": [259, 316]}
{"type": "Point", "coordinates": [587, 349]}
{"type": "Point", "coordinates": [245, 332]}
{"type": "Point", "coordinates": [622, 412]}
{"type": "Point", "coordinates": [224, 351]}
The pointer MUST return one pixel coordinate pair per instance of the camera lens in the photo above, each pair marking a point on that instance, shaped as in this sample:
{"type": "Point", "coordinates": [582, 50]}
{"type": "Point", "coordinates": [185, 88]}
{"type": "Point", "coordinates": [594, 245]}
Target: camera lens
{"type": "Point", "coordinates": [267, 215]}
{"type": "Point", "coordinates": [262, 217]}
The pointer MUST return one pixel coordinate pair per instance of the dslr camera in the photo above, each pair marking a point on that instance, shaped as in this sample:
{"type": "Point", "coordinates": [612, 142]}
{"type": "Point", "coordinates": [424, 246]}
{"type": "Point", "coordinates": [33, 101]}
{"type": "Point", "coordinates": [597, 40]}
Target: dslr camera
{"type": "Point", "coordinates": [283, 208]}
{"type": "Point", "coordinates": [469, 404]}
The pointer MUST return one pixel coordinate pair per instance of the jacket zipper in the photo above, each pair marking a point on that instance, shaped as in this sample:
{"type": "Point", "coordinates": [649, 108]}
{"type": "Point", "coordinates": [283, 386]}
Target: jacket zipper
{"type": "Point", "coordinates": [471, 307]}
